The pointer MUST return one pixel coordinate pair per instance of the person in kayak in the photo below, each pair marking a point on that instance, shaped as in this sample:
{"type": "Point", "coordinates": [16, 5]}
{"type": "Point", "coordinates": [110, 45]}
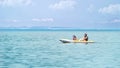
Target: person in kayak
{"type": "Point", "coordinates": [74, 37]}
{"type": "Point", "coordinates": [85, 38]}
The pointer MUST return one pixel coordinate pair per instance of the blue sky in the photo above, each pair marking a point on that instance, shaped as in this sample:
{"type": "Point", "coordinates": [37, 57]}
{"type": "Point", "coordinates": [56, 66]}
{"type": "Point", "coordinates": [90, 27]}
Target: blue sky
{"type": "Point", "coordinates": [60, 13]}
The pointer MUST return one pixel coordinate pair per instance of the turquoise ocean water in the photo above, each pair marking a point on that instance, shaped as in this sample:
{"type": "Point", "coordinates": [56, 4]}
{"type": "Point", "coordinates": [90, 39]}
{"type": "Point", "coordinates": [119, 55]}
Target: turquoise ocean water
{"type": "Point", "coordinates": [42, 49]}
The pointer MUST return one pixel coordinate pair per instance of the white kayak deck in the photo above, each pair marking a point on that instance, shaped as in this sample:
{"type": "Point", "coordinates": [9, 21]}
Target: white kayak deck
{"type": "Point", "coordinates": [75, 41]}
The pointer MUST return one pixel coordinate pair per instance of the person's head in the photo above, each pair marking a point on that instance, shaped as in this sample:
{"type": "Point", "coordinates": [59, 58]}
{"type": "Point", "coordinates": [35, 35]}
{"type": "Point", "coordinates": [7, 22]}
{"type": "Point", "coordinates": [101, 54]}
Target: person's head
{"type": "Point", "coordinates": [74, 36]}
{"type": "Point", "coordinates": [85, 35]}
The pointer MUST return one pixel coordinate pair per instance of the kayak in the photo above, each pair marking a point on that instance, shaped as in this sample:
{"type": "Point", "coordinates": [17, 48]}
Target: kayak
{"type": "Point", "coordinates": [75, 41]}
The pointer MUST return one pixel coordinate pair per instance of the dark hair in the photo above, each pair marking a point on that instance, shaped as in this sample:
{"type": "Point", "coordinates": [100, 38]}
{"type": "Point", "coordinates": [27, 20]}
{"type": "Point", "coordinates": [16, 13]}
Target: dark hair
{"type": "Point", "coordinates": [85, 34]}
{"type": "Point", "coordinates": [74, 36]}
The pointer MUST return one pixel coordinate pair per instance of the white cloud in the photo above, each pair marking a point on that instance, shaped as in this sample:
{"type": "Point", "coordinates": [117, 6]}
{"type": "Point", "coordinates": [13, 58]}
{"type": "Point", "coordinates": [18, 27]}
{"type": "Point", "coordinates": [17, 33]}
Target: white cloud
{"type": "Point", "coordinates": [15, 2]}
{"type": "Point", "coordinates": [43, 19]}
{"type": "Point", "coordinates": [111, 9]}
{"type": "Point", "coordinates": [91, 8]}
{"type": "Point", "coordinates": [63, 4]}
{"type": "Point", "coordinates": [11, 20]}
{"type": "Point", "coordinates": [116, 20]}
{"type": "Point", "coordinates": [14, 20]}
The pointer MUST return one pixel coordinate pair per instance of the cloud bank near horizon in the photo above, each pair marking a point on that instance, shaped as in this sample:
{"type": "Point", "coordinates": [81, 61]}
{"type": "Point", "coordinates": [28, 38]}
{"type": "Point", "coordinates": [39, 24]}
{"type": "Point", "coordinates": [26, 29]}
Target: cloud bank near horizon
{"type": "Point", "coordinates": [42, 19]}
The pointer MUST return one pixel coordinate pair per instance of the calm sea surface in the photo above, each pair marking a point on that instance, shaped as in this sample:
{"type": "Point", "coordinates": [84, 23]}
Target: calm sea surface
{"type": "Point", "coordinates": [42, 49]}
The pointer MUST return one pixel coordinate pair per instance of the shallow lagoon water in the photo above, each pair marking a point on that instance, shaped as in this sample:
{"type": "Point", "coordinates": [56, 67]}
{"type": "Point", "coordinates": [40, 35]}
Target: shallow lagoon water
{"type": "Point", "coordinates": [42, 49]}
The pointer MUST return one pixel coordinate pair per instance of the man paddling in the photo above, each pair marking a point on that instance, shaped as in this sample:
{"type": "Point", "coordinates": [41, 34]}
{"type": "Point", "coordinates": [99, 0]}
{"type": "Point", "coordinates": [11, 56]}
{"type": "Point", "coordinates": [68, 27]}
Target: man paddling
{"type": "Point", "coordinates": [85, 38]}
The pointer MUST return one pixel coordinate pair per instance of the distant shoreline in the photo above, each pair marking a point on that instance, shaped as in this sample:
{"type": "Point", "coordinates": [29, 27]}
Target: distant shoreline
{"type": "Point", "coordinates": [58, 29]}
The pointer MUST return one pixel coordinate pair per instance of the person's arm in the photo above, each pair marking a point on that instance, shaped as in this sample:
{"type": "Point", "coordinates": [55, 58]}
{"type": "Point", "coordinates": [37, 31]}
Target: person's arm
{"type": "Point", "coordinates": [81, 39]}
{"type": "Point", "coordinates": [85, 38]}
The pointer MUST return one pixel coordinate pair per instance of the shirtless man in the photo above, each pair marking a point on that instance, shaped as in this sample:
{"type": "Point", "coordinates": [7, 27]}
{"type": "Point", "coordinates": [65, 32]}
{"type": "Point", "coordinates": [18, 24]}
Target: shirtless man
{"type": "Point", "coordinates": [85, 38]}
